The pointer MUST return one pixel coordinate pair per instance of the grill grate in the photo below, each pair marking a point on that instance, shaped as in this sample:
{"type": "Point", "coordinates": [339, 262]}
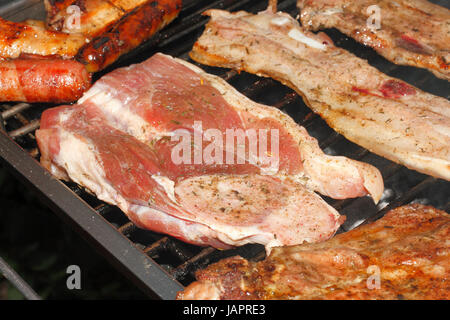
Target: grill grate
{"type": "Point", "coordinates": [162, 265]}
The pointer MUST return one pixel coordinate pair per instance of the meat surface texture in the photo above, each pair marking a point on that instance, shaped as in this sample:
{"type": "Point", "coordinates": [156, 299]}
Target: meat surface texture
{"type": "Point", "coordinates": [135, 27]}
{"type": "Point", "coordinates": [410, 32]}
{"type": "Point", "coordinates": [385, 115]}
{"type": "Point", "coordinates": [31, 37]}
{"type": "Point", "coordinates": [94, 16]}
{"type": "Point", "coordinates": [118, 143]}
{"type": "Point", "coordinates": [37, 79]}
{"type": "Point", "coordinates": [404, 255]}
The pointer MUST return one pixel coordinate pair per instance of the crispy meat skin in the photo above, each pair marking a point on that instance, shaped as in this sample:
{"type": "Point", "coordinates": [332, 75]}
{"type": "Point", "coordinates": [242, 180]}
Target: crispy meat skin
{"type": "Point", "coordinates": [409, 245]}
{"type": "Point", "coordinates": [134, 28]}
{"type": "Point", "coordinates": [117, 142]}
{"type": "Point", "coordinates": [413, 32]}
{"type": "Point", "coordinates": [381, 113]}
{"type": "Point", "coordinates": [42, 79]}
{"type": "Point", "coordinates": [31, 37]}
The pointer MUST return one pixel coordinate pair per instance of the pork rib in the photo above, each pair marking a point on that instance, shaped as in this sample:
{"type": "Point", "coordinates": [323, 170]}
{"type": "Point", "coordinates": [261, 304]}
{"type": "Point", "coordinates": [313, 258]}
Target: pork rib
{"type": "Point", "coordinates": [411, 32]}
{"type": "Point", "coordinates": [383, 114]}
{"type": "Point", "coordinates": [117, 143]}
{"type": "Point", "coordinates": [408, 250]}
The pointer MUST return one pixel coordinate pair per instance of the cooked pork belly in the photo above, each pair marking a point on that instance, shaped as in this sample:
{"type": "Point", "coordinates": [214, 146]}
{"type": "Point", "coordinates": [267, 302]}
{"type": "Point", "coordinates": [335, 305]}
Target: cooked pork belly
{"type": "Point", "coordinates": [385, 115]}
{"type": "Point", "coordinates": [404, 255]}
{"type": "Point", "coordinates": [117, 142]}
{"type": "Point", "coordinates": [411, 32]}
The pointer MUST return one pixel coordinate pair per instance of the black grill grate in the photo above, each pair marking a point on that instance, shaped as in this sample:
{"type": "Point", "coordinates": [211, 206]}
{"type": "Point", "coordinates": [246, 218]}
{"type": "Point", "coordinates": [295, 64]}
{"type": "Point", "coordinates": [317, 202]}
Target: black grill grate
{"type": "Point", "coordinates": [160, 265]}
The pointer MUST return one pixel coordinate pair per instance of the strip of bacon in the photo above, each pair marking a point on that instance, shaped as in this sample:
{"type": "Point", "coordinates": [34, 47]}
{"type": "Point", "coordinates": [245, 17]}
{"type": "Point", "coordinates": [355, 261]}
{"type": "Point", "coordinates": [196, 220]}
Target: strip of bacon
{"type": "Point", "coordinates": [410, 32]}
{"type": "Point", "coordinates": [383, 114]}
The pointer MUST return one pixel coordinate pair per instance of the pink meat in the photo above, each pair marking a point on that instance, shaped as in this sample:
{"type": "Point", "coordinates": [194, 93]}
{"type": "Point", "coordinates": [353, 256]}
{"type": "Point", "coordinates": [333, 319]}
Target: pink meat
{"type": "Point", "coordinates": [117, 142]}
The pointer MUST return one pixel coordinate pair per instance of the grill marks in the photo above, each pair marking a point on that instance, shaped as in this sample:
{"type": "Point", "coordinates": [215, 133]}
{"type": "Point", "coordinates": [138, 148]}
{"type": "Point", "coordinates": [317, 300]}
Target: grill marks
{"type": "Point", "coordinates": [35, 79]}
{"type": "Point", "coordinates": [20, 38]}
{"type": "Point", "coordinates": [413, 32]}
{"type": "Point", "coordinates": [409, 246]}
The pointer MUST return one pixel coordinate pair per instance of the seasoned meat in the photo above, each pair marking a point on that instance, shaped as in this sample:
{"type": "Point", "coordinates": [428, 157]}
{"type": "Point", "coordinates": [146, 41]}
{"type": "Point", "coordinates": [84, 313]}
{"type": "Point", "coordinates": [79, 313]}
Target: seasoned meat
{"type": "Point", "coordinates": [404, 255]}
{"type": "Point", "coordinates": [411, 32]}
{"type": "Point", "coordinates": [385, 115]}
{"type": "Point", "coordinates": [133, 29]}
{"type": "Point", "coordinates": [95, 16]}
{"type": "Point", "coordinates": [31, 37]}
{"type": "Point", "coordinates": [42, 79]}
{"type": "Point", "coordinates": [118, 143]}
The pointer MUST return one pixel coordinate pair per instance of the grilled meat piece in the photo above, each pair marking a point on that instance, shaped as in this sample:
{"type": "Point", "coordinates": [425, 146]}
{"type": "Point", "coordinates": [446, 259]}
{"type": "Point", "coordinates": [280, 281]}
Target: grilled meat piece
{"type": "Point", "coordinates": [42, 79]}
{"type": "Point", "coordinates": [412, 32]}
{"type": "Point", "coordinates": [385, 115]}
{"type": "Point", "coordinates": [95, 16]}
{"type": "Point", "coordinates": [118, 143]}
{"type": "Point", "coordinates": [133, 29]}
{"type": "Point", "coordinates": [408, 249]}
{"type": "Point", "coordinates": [31, 37]}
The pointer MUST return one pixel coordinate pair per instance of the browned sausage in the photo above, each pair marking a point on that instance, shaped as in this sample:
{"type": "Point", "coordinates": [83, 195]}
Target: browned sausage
{"type": "Point", "coordinates": [133, 29]}
{"type": "Point", "coordinates": [42, 79]}
{"type": "Point", "coordinates": [94, 16]}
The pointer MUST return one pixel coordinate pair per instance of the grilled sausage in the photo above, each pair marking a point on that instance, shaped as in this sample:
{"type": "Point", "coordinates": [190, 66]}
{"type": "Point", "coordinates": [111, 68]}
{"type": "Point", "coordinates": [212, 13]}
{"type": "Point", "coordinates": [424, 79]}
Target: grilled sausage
{"type": "Point", "coordinates": [133, 29]}
{"type": "Point", "coordinates": [42, 79]}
